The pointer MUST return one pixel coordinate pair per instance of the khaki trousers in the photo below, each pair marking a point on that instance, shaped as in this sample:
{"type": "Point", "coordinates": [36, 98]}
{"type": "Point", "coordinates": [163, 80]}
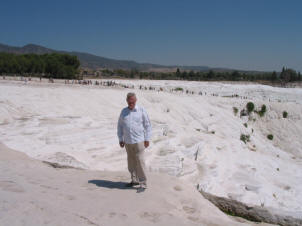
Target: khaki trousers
{"type": "Point", "coordinates": [136, 164]}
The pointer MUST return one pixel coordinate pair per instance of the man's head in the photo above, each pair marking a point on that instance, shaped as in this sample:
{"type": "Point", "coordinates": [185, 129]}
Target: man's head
{"type": "Point", "coordinates": [131, 100]}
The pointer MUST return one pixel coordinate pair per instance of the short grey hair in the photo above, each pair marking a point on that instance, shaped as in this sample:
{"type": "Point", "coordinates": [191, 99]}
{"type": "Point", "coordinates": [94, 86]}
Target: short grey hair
{"type": "Point", "coordinates": [130, 95]}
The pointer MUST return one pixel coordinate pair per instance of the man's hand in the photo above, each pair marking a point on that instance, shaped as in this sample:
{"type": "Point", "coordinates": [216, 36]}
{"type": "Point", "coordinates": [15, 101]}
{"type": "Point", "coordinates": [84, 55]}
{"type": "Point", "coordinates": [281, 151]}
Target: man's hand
{"type": "Point", "coordinates": [122, 144]}
{"type": "Point", "coordinates": [146, 143]}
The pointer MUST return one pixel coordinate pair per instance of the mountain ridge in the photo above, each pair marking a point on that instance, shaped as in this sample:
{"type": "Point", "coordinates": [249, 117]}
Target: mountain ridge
{"type": "Point", "coordinates": [97, 62]}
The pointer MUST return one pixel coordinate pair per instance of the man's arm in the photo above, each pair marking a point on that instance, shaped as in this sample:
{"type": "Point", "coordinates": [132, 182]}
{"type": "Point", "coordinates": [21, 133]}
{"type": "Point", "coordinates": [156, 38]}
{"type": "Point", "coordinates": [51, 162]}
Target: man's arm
{"type": "Point", "coordinates": [120, 131]}
{"type": "Point", "coordinates": [147, 126]}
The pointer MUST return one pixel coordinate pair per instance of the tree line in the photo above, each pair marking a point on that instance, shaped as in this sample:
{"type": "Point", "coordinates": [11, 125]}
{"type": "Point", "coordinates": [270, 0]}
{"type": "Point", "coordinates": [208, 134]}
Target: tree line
{"type": "Point", "coordinates": [65, 66]}
{"type": "Point", "coordinates": [53, 65]}
{"type": "Point", "coordinates": [286, 75]}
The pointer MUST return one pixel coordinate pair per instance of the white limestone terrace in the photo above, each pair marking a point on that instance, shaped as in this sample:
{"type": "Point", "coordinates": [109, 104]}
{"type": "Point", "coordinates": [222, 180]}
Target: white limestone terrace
{"type": "Point", "coordinates": [195, 137]}
{"type": "Point", "coordinates": [34, 193]}
{"type": "Point", "coordinates": [244, 89]}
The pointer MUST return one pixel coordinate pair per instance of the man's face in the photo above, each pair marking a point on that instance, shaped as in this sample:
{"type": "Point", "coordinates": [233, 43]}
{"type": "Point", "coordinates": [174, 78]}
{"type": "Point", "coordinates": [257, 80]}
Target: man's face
{"type": "Point", "coordinates": [131, 102]}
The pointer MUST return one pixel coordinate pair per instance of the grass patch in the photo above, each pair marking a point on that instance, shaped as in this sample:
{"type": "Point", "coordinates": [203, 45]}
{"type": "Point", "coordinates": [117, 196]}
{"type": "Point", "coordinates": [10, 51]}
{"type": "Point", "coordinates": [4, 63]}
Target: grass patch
{"type": "Point", "coordinates": [179, 89]}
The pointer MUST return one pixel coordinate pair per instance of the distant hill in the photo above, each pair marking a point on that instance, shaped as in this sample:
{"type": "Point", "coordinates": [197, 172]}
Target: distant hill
{"type": "Point", "coordinates": [86, 59]}
{"type": "Point", "coordinates": [95, 62]}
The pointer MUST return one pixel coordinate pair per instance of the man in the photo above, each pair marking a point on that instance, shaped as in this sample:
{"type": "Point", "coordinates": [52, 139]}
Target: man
{"type": "Point", "coordinates": [134, 132]}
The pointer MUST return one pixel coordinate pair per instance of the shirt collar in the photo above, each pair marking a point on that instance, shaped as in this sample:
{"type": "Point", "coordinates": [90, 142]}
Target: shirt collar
{"type": "Point", "coordinates": [134, 109]}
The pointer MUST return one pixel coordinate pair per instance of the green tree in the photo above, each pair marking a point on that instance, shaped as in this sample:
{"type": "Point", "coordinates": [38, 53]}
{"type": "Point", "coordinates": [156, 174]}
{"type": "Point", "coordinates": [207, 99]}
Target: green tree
{"type": "Point", "coordinates": [274, 76]}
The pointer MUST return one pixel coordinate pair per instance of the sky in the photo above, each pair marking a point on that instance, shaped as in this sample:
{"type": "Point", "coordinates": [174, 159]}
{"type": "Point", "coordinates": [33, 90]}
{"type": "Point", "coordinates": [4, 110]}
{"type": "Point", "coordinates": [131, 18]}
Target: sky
{"type": "Point", "coordinates": [241, 34]}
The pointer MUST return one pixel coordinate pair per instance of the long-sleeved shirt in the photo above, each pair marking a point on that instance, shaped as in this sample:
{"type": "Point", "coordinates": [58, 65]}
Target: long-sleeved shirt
{"type": "Point", "coordinates": [134, 125]}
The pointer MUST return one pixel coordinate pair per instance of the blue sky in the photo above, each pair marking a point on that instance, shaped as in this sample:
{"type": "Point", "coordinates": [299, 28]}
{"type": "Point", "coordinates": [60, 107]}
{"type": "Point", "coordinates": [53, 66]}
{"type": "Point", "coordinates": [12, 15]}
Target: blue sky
{"type": "Point", "coordinates": [241, 34]}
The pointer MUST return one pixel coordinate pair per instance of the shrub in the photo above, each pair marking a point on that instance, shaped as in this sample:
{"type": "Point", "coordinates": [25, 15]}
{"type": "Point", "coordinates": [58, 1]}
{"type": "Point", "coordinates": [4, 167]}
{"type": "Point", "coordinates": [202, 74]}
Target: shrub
{"type": "Point", "coordinates": [250, 107]}
{"type": "Point", "coordinates": [178, 89]}
{"type": "Point", "coordinates": [262, 111]}
{"type": "Point", "coordinates": [245, 124]}
{"type": "Point", "coordinates": [263, 108]}
{"type": "Point", "coordinates": [270, 136]}
{"type": "Point", "coordinates": [245, 138]}
{"type": "Point", "coordinates": [235, 110]}
{"type": "Point", "coordinates": [243, 113]}
{"type": "Point", "coordinates": [285, 114]}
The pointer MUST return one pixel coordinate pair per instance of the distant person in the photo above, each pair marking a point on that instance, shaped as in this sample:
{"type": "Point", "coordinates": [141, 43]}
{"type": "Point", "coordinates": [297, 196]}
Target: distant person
{"type": "Point", "coordinates": [134, 132]}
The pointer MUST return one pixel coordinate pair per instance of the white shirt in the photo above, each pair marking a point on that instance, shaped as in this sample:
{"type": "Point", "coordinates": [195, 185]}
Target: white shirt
{"type": "Point", "coordinates": [133, 125]}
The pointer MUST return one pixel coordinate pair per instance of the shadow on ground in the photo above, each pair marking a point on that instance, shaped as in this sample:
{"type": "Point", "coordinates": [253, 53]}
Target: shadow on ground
{"type": "Point", "coordinates": [110, 184]}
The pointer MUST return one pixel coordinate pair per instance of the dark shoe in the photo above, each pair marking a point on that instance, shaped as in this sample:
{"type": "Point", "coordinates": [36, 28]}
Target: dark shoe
{"type": "Point", "coordinates": [143, 185]}
{"type": "Point", "coordinates": [131, 184]}
{"type": "Point", "coordinates": [140, 189]}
